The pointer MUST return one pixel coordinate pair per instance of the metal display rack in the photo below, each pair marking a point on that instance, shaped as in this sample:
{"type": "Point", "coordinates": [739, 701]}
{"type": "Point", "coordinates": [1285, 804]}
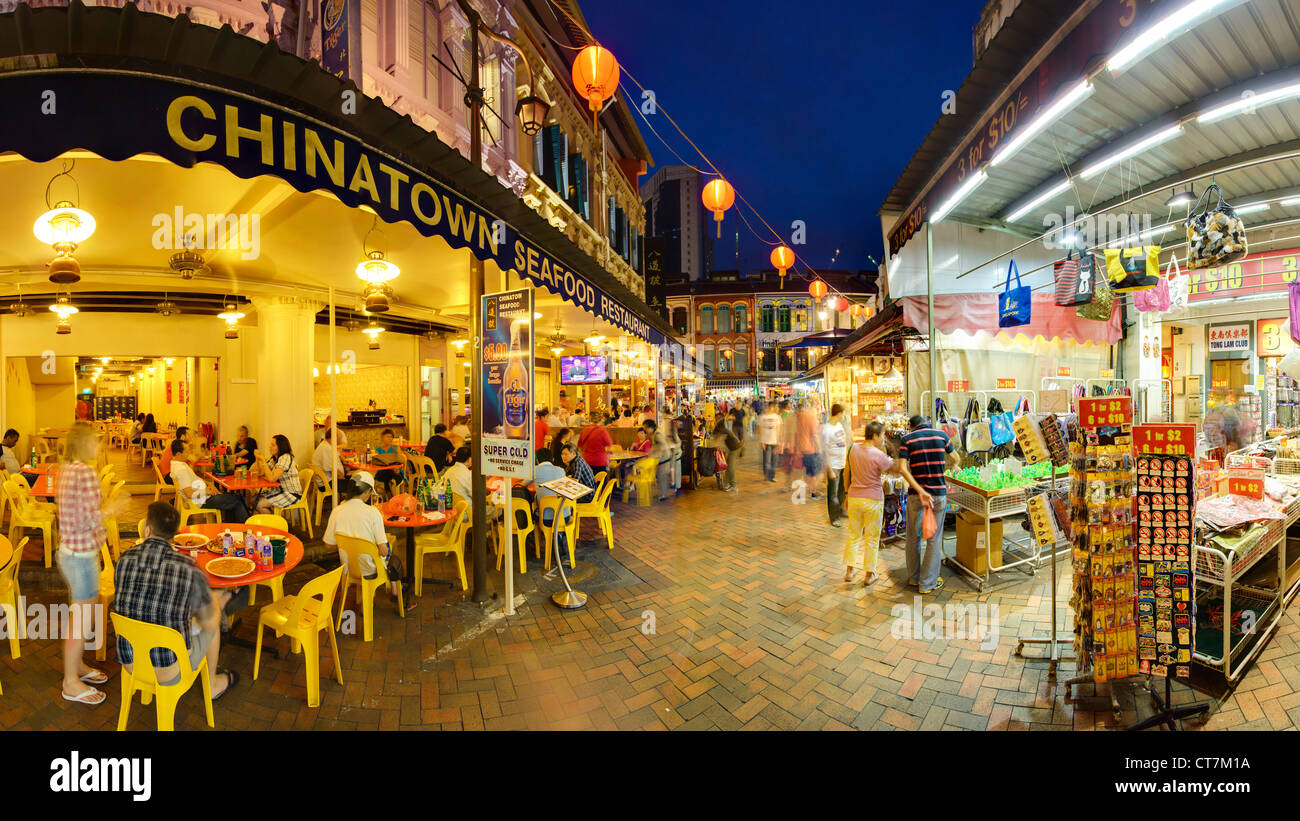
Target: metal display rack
{"type": "Point", "coordinates": [1000, 504]}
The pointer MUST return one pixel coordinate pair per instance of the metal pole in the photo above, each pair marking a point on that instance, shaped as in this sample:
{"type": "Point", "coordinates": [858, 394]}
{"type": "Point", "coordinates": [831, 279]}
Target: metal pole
{"type": "Point", "coordinates": [334, 410]}
{"type": "Point", "coordinates": [934, 332]}
{"type": "Point", "coordinates": [478, 505]}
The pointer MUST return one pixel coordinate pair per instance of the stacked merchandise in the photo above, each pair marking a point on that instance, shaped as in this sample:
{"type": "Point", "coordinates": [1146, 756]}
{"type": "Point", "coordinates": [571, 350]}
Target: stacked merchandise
{"type": "Point", "coordinates": [1105, 582]}
{"type": "Point", "coordinates": [1250, 406]}
{"type": "Point", "coordinates": [1283, 395]}
{"type": "Point", "coordinates": [1164, 548]}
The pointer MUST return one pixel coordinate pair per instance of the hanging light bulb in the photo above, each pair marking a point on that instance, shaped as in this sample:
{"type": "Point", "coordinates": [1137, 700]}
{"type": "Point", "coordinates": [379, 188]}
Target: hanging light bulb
{"type": "Point", "coordinates": [373, 331]}
{"type": "Point", "coordinates": [375, 271]}
{"type": "Point", "coordinates": [63, 228]}
{"type": "Point", "coordinates": [232, 315]}
{"type": "Point", "coordinates": [65, 309]}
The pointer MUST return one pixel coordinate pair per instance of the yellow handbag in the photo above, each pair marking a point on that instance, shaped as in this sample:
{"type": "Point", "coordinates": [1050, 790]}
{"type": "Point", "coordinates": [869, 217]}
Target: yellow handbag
{"type": "Point", "coordinates": [1133, 269]}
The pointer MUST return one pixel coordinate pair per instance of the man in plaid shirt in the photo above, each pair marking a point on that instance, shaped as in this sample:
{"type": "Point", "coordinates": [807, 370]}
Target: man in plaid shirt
{"type": "Point", "coordinates": [158, 585]}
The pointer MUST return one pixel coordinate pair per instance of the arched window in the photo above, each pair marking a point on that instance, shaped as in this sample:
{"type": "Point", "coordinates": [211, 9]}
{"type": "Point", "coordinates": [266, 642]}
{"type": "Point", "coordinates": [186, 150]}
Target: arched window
{"type": "Point", "coordinates": [741, 318]}
{"type": "Point", "coordinates": [706, 357]}
{"type": "Point", "coordinates": [767, 319]}
{"type": "Point", "coordinates": [679, 320]}
{"type": "Point", "coordinates": [706, 319]}
{"type": "Point", "coordinates": [724, 319]}
{"type": "Point", "coordinates": [740, 359]}
{"type": "Point", "coordinates": [724, 361]}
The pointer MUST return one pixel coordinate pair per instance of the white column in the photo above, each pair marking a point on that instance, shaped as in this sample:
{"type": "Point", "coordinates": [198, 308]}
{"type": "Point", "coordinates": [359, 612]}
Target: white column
{"type": "Point", "coordinates": [286, 325]}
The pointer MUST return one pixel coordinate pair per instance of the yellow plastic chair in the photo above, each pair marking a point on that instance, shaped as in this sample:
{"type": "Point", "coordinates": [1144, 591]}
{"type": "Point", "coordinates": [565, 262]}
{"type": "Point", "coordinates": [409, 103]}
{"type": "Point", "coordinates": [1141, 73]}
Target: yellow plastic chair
{"type": "Point", "coordinates": [10, 595]}
{"type": "Point", "coordinates": [521, 532]}
{"type": "Point", "coordinates": [598, 509]}
{"type": "Point", "coordinates": [143, 679]}
{"type": "Point", "coordinates": [451, 539]}
{"type": "Point", "coordinates": [559, 507]}
{"type": "Point", "coordinates": [160, 486]}
{"type": "Point", "coordinates": [151, 445]}
{"type": "Point", "coordinates": [643, 478]}
{"type": "Point", "coordinates": [21, 480]}
{"type": "Point", "coordinates": [301, 617]}
{"type": "Point", "coordinates": [354, 548]}
{"type": "Point", "coordinates": [189, 510]}
{"type": "Point", "coordinates": [44, 453]}
{"type": "Point", "coordinates": [305, 477]}
{"type": "Point", "coordinates": [112, 529]}
{"type": "Point", "coordinates": [276, 585]}
{"type": "Point", "coordinates": [319, 495]}
{"type": "Point", "coordinates": [24, 514]}
{"type": "Point", "coordinates": [106, 593]}
{"type": "Point", "coordinates": [419, 467]}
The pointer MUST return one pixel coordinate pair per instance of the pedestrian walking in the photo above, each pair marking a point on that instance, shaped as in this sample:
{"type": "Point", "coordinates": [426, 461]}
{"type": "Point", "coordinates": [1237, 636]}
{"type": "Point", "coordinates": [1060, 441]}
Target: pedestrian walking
{"type": "Point", "coordinates": [866, 503]}
{"type": "Point", "coordinates": [922, 457]}
{"type": "Point", "coordinates": [769, 436]}
{"type": "Point", "coordinates": [726, 441]}
{"type": "Point", "coordinates": [808, 446]}
{"type": "Point", "coordinates": [836, 447]}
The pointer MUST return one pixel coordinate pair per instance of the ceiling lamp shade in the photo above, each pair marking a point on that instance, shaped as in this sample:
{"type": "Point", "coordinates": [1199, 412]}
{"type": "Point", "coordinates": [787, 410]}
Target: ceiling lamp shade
{"type": "Point", "coordinates": [377, 298]}
{"type": "Point", "coordinates": [718, 196]}
{"type": "Point", "coordinates": [532, 111]}
{"type": "Point", "coordinates": [817, 289]}
{"type": "Point", "coordinates": [187, 263]}
{"type": "Point", "coordinates": [63, 228]}
{"type": "Point", "coordinates": [595, 76]}
{"type": "Point", "coordinates": [375, 269]}
{"type": "Point", "coordinates": [231, 316]}
{"type": "Point", "coordinates": [373, 331]}
{"type": "Point", "coordinates": [65, 309]}
{"type": "Point", "coordinates": [1177, 198]}
{"type": "Point", "coordinates": [782, 259]}
{"type": "Point", "coordinates": [167, 308]}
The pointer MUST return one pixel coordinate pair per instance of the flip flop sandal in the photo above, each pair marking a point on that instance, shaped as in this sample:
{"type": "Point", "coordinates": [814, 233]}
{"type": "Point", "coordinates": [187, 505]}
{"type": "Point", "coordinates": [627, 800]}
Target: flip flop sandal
{"type": "Point", "coordinates": [88, 697]}
{"type": "Point", "coordinates": [95, 677]}
{"type": "Point", "coordinates": [232, 678]}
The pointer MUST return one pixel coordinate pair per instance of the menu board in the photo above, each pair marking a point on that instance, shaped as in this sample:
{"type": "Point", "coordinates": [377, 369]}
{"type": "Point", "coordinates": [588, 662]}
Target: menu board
{"type": "Point", "coordinates": [1165, 502]}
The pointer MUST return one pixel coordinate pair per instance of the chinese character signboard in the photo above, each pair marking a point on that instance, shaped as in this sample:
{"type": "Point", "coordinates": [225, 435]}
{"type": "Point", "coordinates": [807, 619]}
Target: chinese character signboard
{"type": "Point", "coordinates": [1108, 411]}
{"type": "Point", "coordinates": [505, 328]}
{"type": "Point", "coordinates": [1229, 337]}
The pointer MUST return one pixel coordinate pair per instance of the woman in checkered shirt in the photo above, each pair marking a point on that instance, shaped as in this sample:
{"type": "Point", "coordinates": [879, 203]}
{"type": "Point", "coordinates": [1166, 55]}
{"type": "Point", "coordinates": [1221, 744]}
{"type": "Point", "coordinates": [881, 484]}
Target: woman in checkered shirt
{"type": "Point", "coordinates": [81, 533]}
{"type": "Point", "coordinates": [279, 468]}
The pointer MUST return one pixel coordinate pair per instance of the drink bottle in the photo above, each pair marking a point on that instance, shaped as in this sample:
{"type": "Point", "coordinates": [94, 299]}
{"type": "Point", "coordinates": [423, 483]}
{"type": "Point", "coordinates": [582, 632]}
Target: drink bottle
{"type": "Point", "coordinates": [514, 397]}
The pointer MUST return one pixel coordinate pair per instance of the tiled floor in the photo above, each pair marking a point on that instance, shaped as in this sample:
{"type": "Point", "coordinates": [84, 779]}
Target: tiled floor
{"type": "Point", "coordinates": [741, 621]}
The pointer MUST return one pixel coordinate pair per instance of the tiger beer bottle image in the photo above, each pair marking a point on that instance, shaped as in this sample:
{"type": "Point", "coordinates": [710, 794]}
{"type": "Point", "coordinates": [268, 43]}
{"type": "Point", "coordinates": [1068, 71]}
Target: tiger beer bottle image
{"type": "Point", "coordinates": [514, 397]}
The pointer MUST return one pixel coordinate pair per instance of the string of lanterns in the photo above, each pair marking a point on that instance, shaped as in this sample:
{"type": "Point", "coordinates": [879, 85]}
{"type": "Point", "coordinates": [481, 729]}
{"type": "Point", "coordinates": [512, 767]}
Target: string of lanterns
{"type": "Point", "coordinates": [596, 76]}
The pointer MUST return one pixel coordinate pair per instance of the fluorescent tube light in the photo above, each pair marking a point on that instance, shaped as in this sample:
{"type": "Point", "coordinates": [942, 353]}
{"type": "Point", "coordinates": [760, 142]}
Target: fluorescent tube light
{"type": "Point", "coordinates": [1171, 25]}
{"type": "Point", "coordinates": [1059, 188]}
{"type": "Point", "coordinates": [1291, 201]}
{"type": "Point", "coordinates": [961, 193]}
{"type": "Point", "coordinates": [1251, 208]}
{"type": "Point", "coordinates": [1248, 102]}
{"type": "Point", "coordinates": [1072, 98]}
{"type": "Point", "coordinates": [1132, 151]}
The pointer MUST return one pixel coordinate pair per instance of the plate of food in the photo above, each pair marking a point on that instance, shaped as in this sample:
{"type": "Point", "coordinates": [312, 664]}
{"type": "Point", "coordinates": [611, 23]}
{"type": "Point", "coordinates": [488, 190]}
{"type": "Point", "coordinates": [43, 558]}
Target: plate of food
{"type": "Point", "coordinates": [189, 541]}
{"type": "Point", "coordinates": [230, 567]}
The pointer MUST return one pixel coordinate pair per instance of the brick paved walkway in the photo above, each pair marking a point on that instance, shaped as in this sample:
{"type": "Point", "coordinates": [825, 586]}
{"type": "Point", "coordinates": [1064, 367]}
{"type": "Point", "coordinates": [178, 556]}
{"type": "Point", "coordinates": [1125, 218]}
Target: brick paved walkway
{"type": "Point", "coordinates": [753, 629]}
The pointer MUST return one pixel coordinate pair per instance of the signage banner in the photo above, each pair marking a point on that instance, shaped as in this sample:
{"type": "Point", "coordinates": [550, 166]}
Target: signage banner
{"type": "Point", "coordinates": [1262, 273]}
{"type": "Point", "coordinates": [506, 331]}
{"type": "Point", "coordinates": [1098, 34]}
{"type": "Point", "coordinates": [118, 115]}
{"type": "Point", "coordinates": [1006, 383]}
{"type": "Point", "coordinates": [1062, 370]}
{"type": "Point", "coordinates": [1246, 482]}
{"type": "Point", "coordinates": [1272, 337]}
{"type": "Point", "coordinates": [1108, 411]}
{"type": "Point", "coordinates": [1168, 440]}
{"type": "Point", "coordinates": [958, 385]}
{"type": "Point", "coordinates": [336, 47]}
{"type": "Point", "coordinates": [1235, 337]}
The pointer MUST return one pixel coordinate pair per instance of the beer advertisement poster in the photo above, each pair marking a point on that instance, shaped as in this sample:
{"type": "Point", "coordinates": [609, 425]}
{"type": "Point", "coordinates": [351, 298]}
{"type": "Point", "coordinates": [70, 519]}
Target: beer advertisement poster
{"type": "Point", "coordinates": [506, 324]}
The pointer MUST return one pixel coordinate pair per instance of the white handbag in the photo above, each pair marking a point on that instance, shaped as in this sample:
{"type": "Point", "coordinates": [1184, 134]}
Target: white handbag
{"type": "Point", "coordinates": [1177, 284]}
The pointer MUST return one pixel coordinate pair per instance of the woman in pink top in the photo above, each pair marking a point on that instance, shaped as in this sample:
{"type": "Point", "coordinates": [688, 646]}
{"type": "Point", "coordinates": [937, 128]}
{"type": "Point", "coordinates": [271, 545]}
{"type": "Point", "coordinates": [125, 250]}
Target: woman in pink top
{"type": "Point", "coordinates": [866, 503]}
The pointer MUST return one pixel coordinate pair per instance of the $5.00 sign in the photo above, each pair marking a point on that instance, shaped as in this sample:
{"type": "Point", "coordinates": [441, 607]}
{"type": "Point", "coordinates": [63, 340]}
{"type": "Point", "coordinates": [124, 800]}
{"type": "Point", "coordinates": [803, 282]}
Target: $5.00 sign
{"type": "Point", "coordinates": [1169, 440]}
{"type": "Point", "coordinates": [1246, 482]}
{"type": "Point", "coordinates": [1105, 412]}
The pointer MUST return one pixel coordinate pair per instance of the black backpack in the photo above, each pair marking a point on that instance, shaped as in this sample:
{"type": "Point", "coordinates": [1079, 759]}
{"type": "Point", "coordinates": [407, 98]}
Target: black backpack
{"type": "Point", "coordinates": [706, 462]}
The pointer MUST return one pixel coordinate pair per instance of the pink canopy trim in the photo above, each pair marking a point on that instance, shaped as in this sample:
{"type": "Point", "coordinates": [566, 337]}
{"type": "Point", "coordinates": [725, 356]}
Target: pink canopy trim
{"type": "Point", "coordinates": [979, 312]}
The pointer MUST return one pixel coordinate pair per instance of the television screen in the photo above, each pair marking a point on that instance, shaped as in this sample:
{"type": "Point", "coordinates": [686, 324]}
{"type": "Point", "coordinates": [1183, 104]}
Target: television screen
{"type": "Point", "coordinates": [583, 370]}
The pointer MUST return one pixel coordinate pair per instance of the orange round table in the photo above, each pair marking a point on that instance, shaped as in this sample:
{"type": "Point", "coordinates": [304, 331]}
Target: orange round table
{"type": "Point", "coordinates": [428, 518]}
{"type": "Point", "coordinates": [292, 555]}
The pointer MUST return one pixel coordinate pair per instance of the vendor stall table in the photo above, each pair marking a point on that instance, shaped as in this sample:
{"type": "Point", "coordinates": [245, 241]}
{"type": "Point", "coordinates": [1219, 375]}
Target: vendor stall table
{"type": "Point", "coordinates": [1000, 504]}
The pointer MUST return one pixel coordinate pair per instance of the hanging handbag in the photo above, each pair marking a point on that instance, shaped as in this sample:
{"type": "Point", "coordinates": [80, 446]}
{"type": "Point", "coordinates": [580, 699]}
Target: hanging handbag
{"type": "Point", "coordinates": [1133, 269]}
{"type": "Point", "coordinates": [1153, 299]}
{"type": "Point", "coordinates": [1014, 303]}
{"type": "Point", "coordinates": [1215, 234]}
{"type": "Point", "coordinates": [1178, 290]}
{"type": "Point", "coordinates": [1000, 430]}
{"type": "Point", "coordinates": [1022, 407]}
{"type": "Point", "coordinates": [945, 423]}
{"type": "Point", "coordinates": [978, 438]}
{"type": "Point", "coordinates": [1102, 305]}
{"type": "Point", "coordinates": [1070, 289]}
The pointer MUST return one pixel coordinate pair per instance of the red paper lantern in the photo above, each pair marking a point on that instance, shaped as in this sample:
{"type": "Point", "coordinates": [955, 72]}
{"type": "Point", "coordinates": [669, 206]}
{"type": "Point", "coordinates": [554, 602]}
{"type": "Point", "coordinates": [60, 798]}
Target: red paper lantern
{"type": "Point", "coordinates": [817, 289]}
{"type": "Point", "coordinates": [782, 259]}
{"type": "Point", "coordinates": [595, 76]}
{"type": "Point", "coordinates": [718, 196]}
{"type": "Point", "coordinates": [858, 310]}
{"type": "Point", "coordinates": [837, 303]}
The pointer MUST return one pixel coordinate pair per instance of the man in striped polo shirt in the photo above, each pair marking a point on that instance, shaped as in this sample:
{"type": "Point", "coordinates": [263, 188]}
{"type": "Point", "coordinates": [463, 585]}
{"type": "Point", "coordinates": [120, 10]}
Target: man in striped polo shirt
{"type": "Point", "coordinates": [922, 457]}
